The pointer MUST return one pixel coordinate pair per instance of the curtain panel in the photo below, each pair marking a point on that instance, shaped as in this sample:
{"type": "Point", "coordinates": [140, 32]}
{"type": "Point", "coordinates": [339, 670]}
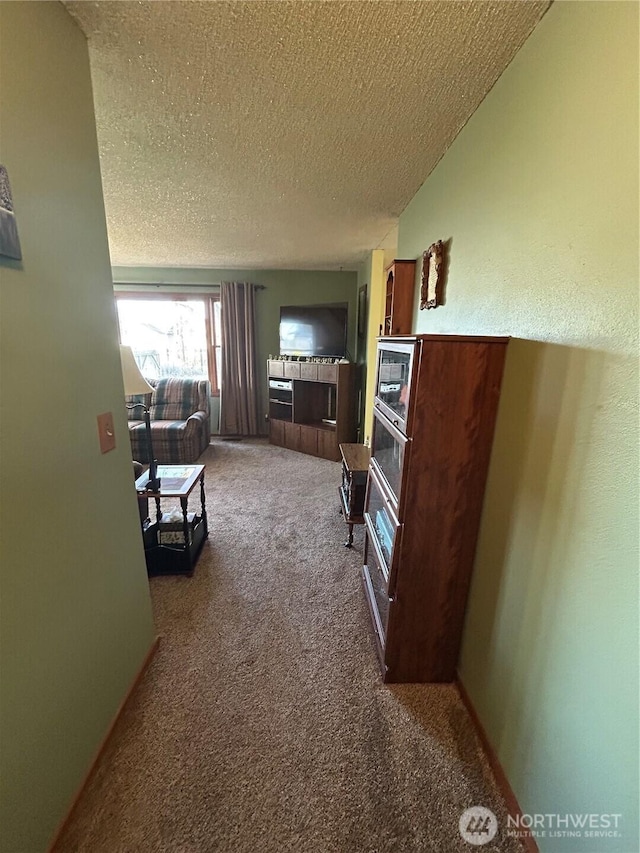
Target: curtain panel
{"type": "Point", "coordinates": [238, 385]}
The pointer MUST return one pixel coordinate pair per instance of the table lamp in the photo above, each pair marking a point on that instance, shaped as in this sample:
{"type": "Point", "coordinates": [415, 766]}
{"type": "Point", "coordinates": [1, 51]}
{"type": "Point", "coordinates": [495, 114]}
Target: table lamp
{"type": "Point", "coordinates": [135, 383]}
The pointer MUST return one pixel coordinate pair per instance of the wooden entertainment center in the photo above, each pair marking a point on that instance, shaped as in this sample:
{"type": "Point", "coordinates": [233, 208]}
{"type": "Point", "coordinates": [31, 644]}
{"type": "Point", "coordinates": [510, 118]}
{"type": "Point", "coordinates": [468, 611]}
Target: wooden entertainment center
{"type": "Point", "coordinates": [311, 406]}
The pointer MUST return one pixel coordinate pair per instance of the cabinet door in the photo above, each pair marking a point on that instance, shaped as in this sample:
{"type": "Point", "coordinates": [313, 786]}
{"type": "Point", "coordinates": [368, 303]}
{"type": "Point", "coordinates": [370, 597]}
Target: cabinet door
{"type": "Point", "coordinates": [393, 381]}
{"type": "Point", "coordinates": [275, 368]}
{"type": "Point", "coordinates": [309, 440]}
{"type": "Point", "coordinates": [276, 432]}
{"type": "Point", "coordinates": [292, 436]}
{"type": "Point", "coordinates": [328, 445]}
{"type": "Point", "coordinates": [382, 525]}
{"type": "Point", "coordinates": [377, 592]}
{"type": "Point", "coordinates": [388, 447]}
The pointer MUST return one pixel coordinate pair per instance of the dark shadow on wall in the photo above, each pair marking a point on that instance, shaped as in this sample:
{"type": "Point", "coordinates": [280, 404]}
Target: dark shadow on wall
{"type": "Point", "coordinates": [536, 445]}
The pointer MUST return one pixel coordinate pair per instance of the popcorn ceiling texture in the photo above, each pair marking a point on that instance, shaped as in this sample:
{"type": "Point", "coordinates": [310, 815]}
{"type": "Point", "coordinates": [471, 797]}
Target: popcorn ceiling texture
{"type": "Point", "coordinates": [281, 134]}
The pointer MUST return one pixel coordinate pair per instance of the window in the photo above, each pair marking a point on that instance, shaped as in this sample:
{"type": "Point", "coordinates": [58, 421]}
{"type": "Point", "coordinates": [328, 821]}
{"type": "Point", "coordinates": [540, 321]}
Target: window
{"type": "Point", "coordinates": [172, 335]}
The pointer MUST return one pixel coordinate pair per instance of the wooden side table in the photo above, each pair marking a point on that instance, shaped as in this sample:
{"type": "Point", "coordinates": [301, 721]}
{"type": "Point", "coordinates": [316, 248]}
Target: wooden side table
{"type": "Point", "coordinates": [352, 491]}
{"type": "Point", "coordinates": [169, 558]}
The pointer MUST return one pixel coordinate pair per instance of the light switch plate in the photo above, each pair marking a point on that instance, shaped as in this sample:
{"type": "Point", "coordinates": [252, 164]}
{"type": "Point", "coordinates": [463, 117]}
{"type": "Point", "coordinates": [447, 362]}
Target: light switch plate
{"type": "Point", "coordinates": [106, 432]}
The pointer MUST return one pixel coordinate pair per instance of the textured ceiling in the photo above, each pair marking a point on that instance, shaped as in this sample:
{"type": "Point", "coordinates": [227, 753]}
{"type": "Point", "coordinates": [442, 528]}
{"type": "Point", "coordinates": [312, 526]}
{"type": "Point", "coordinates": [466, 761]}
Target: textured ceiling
{"type": "Point", "coordinates": [281, 134]}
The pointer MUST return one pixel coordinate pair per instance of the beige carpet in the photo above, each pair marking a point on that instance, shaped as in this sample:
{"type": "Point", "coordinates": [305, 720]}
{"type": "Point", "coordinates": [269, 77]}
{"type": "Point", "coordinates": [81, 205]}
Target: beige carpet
{"type": "Point", "coordinates": [262, 723]}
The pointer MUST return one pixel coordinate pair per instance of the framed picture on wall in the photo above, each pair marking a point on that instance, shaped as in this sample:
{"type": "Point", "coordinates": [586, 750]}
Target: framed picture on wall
{"type": "Point", "coordinates": [431, 279]}
{"type": "Point", "coordinates": [362, 311]}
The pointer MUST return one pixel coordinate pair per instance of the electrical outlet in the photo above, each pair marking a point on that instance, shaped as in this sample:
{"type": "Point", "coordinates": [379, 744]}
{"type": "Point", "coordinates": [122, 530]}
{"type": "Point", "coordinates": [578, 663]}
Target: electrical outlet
{"type": "Point", "coordinates": [106, 432]}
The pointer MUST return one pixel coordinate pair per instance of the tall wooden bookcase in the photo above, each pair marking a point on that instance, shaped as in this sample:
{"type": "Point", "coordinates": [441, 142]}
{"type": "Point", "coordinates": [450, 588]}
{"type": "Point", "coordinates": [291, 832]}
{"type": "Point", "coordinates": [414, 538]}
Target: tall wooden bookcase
{"type": "Point", "coordinates": [434, 415]}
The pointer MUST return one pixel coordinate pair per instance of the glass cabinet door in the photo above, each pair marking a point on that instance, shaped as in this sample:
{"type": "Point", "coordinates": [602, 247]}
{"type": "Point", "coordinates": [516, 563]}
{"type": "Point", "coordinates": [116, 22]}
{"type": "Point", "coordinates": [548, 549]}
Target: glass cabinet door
{"type": "Point", "coordinates": [387, 452]}
{"type": "Point", "coordinates": [377, 589]}
{"type": "Point", "coordinates": [393, 380]}
{"type": "Point", "coordinates": [381, 522]}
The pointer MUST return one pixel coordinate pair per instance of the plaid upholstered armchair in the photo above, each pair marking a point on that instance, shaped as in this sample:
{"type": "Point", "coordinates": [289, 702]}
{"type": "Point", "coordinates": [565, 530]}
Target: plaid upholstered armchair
{"type": "Point", "coordinates": [179, 410]}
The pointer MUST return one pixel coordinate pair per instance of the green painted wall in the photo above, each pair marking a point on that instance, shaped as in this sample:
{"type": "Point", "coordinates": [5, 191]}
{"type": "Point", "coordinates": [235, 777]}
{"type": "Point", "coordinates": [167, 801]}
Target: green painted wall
{"type": "Point", "coordinates": [538, 197]}
{"type": "Point", "coordinates": [282, 287]}
{"type": "Point", "coordinates": [75, 616]}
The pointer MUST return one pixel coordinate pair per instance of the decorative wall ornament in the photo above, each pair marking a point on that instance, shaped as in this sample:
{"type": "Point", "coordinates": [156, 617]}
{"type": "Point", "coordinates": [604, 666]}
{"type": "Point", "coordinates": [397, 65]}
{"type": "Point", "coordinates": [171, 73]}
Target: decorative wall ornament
{"type": "Point", "coordinates": [432, 273]}
{"type": "Point", "coordinates": [9, 242]}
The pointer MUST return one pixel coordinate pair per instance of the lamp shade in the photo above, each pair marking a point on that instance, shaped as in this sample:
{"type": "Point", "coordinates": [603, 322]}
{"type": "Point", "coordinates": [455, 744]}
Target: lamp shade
{"type": "Point", "coordinates": [134, 381]}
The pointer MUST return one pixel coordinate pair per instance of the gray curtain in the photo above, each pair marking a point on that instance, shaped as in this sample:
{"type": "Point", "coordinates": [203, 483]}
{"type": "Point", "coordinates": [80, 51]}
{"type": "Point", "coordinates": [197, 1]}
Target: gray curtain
{"type": "Point", "coordinates": [238, 384]}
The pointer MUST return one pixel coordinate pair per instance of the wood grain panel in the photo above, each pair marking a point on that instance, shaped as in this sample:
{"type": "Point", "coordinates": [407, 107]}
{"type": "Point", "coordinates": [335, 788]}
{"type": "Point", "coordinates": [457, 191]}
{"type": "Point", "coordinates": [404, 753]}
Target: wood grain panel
{"type": "Point", "coordinates": [276, 432]}
{"type": "Point", "coordinates": [309, 370]}
{"type": "Point", "coordinates": [328, 445]}
{"type": "Point", "coordinates": [328, 373]}
{"type": "Point", "coordinates": [292, 369]}
{"type": "Point", "coordinates": [400, 296]}
{"type": "Point", "coordinates": [309, 440]}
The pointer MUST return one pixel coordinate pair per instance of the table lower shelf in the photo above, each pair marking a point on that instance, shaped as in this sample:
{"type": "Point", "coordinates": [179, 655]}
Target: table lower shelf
{"type": "Point", "coordinates": [173, 559]}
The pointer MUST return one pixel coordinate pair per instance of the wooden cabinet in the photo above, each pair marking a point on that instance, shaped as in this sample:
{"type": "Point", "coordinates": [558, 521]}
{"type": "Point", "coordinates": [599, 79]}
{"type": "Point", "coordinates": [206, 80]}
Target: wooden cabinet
{"type": "Point", "coordinates": [352, 491]}
{"type": "Point", "coordinates": [399, 298]}
{"type": "Point", "coordinates": [434, 415]}
{"type": "Point", "coordinates": [312, 406]}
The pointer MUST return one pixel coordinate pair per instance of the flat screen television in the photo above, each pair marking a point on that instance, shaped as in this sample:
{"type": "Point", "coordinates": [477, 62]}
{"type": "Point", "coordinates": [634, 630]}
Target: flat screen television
{"type": "Point", "coordinates": [314, 330]}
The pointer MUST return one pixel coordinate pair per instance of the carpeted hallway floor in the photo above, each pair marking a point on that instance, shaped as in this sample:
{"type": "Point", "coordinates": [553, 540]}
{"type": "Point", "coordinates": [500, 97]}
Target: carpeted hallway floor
{"type": "Point", "coordinates": [262, 724]}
